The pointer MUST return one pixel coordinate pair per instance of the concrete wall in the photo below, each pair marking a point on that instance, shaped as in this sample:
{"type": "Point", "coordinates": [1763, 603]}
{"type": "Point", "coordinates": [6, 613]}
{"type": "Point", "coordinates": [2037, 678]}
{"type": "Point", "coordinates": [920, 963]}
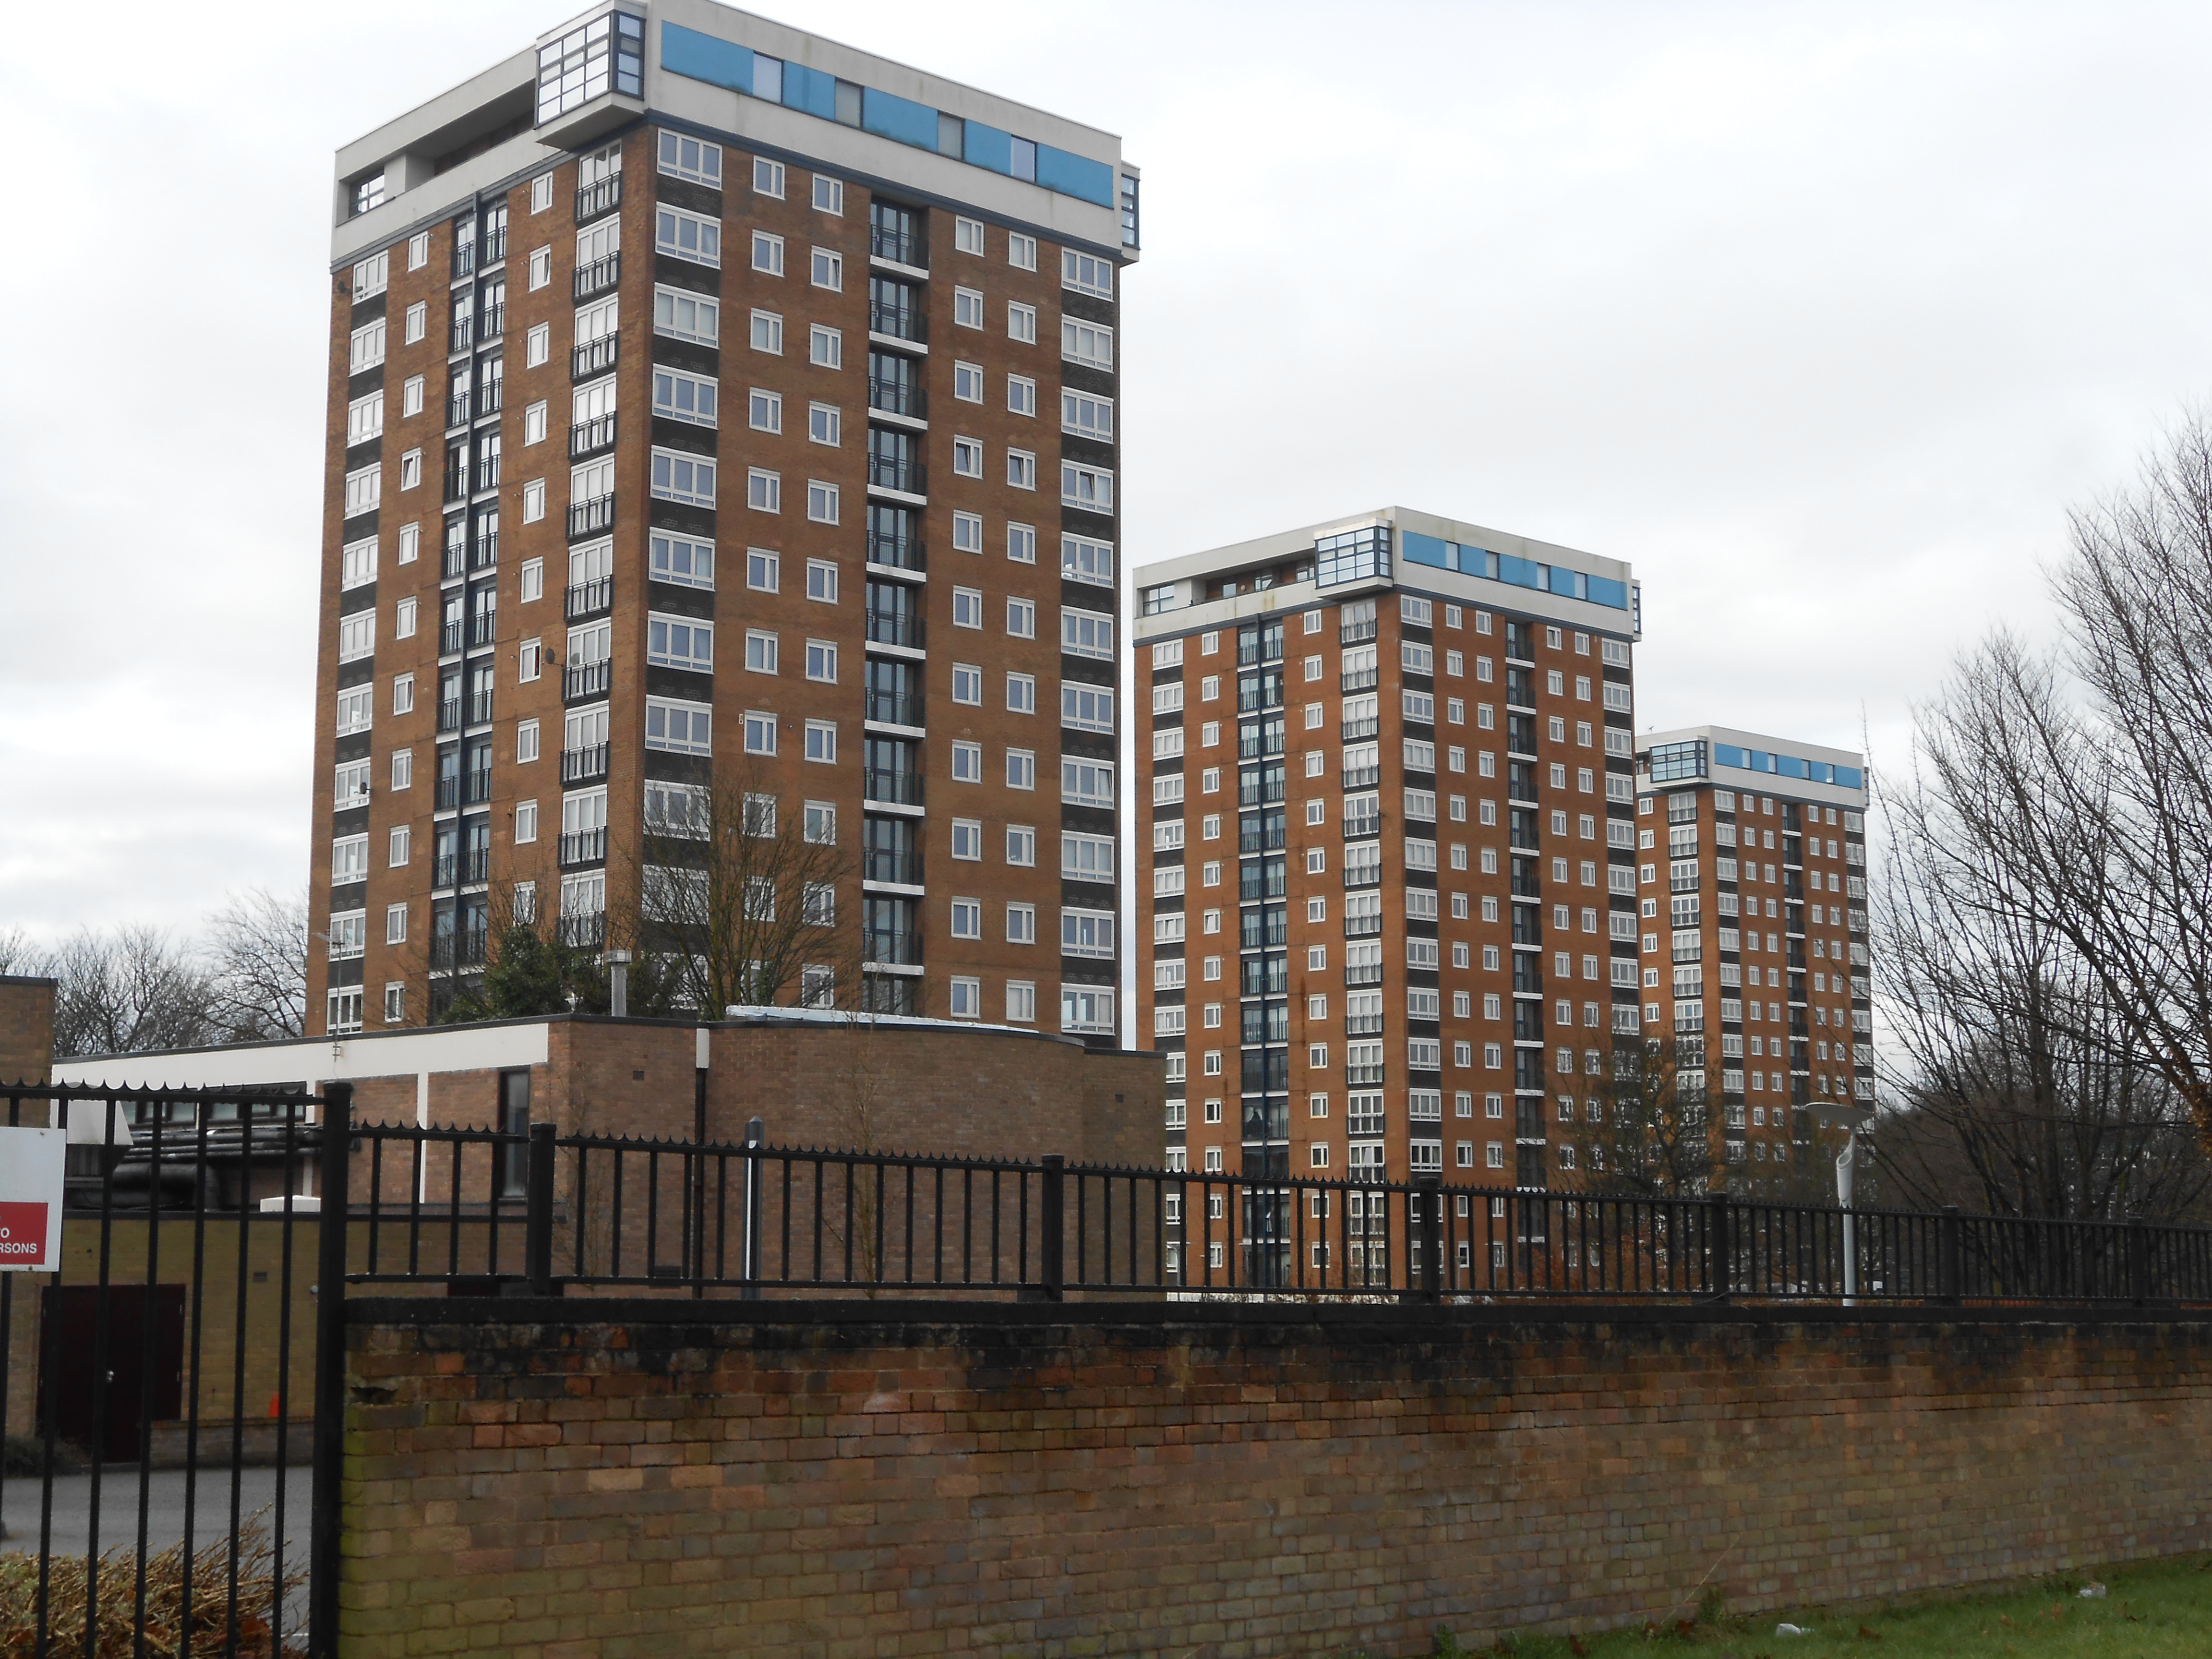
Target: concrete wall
{"type": "Point", "coordinates": [848, 1481]}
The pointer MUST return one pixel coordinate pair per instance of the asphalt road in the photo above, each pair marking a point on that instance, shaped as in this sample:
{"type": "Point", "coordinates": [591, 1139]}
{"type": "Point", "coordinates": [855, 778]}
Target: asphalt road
{"type": "Point", "coordinates": [165, 1509]}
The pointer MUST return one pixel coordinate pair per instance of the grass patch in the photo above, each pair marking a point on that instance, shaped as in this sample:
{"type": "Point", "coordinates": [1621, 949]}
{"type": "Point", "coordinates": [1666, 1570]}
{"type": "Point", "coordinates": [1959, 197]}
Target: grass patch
{"type": "Point", "coordinates": [173, 1629]}
{"type": "Point", "coordinates": [2151, 1610]}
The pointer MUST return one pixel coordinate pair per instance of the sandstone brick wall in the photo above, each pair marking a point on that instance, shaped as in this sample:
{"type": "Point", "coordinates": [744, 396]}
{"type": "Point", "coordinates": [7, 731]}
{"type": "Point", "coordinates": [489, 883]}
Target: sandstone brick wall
{"type": "Point", "coordinates": [1233, 1482]}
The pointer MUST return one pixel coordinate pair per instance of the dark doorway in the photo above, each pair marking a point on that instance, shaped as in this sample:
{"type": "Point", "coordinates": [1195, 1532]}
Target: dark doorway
{"type": "Point", "coordinates": [144, 1380]}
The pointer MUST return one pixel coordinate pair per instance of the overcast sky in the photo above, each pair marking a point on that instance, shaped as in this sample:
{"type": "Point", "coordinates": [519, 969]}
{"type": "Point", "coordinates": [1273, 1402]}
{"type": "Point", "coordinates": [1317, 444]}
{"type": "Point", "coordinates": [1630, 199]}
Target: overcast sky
{"type": "Point", "coordinates": [1819, 316]}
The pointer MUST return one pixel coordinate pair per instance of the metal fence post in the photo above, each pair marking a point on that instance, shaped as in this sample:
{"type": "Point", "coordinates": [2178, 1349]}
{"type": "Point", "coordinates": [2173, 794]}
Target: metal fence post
{"type": "Point", "coordinates": [1722, 1248]}
{"type": "Point", "coordinates": [2138, 1261]}
{"type": "Point", "coordinates": [538, 1212]}
{"type": "Point", "coordinates": [1947, 1266]}
{"type": "Point", "coordinates": [1051, 1264]}
{"type": "Point", "coordinates": [756, 1131]}
{"type": "Point", "coordinates": [1432, 1237]}
{"type": "Point", "coordinates": [329, 1450]}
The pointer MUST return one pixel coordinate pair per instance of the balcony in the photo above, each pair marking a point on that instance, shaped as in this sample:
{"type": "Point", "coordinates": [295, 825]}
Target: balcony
{"type": "Point", "coordinates": [880, 863]}
{"type": "Point", "coordinates": [484, 628]}
{"type": "Point", "coordinates": [491, 324]}
{"type": "Point", "coordinates": [449, 634]}
{"type": "Point", "coordinates": [583, 847]}
{"type": "Point", "coordinates": [892, 950]}
{"type": "Point", "coordinates": [1363, 972]}
{"type": "Point", "coordinates": [487, 550]}
{"type": "Point", "coordinates": [446, 795]}
{"type": "Point", "coordinates": [445, 869]}
{"type": "Point", "coordinates": [456, 951]}
{"type": "Point", "coordinates": [464, 259]}
{"type": "Point", "coordinates": [899, 398]}
{"type": "Point", "coordinates": [457, 478]}
{"type": "Point", "coordinates": [896, 320]}
{"type": "Point", "coordinates": [464, 336]}
{"type": "Point", "coordinates": [1363, 926]}
{"type": "Point", "coordinates": [598, 277]}
{"type": "Point", "coordinates": [476, 867]}
{"type": "Point", "coordinates": [586, 680]}
{"type": "Point", "coordinates": [1356, 632]}
{"type": "Point", "coordinates": [586, 765]}
{"type": "Point", "coordinates": [494, 250]}
{"type": "Point", "coordinates": [900, 472]}
{"type": "Point", "coordinates": [1363, 1024]}
{"type": "Point", "coordinates": [1362, 777]}
{"type": "Point", "coordinates": [894, 552]}
{"type": "Point", "coordinates": [590, 517]}
{"type": "Point", "coordinates": [895, 708]}
{"type": "Point", "coordinates": [457, 409]}
{"type": "Point", "coordinates": [896, 628]}
{"type": "Point", "coordinates": [477, 788]}
{"type": "Point", "coordinates": [479, 708]}
{"type": "Point", "coordinates": [594, 357]}
{"type": "Point", "coordinates": [490, 397]}
{"type": "Point", "coordinates": [1354, 730]}
{"type": "Point", "coordinates": [900, 246]}
{"type": "Point", "coordinates": [893, 788]}
{"type": "Point", "coordinates": [449, 715]}
{"type": "Point", "coordinates": [486, 472]}
{"type": "Point", "coordinates": [587, 931]}
{"type": "Point", "coordinates": [595, 201]}
{"type": "Point", "coordinates": [1361, 679]}
{"type": "Point", "coordinates": [593, 437]}
{"type": "Point", "coordinates": [456, 556]}
{"type": "Point", "coordinates": [591, 598]}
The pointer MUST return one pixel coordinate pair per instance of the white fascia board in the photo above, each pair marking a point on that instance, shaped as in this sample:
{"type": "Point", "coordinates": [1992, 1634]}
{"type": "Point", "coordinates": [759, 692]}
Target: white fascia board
{"type": "Point", "coordinates": [317, 1060]}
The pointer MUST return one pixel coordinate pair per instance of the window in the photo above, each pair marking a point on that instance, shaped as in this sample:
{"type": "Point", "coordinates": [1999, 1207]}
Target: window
{"type": "Point", "coordinates": [825, 424]}
{"type": "Point", "coordinates": [349, 859]}
{"type": "Point", "coordinates": [1087, 858]}
{"type": "Point", "coordinates": [682, 478]}
{"type": "Point", "coordinates": [768, 178]}
{"type": "Point", "coordinates": [822, 501]}
{"type": "Point", "coordinates": [1088, 343]}
{"type": "Point", "coordinates": [365, 418]}
{"type": "Point", "coordinates": [403, 769]}
{"type": "Point", "coordinates": [356, 710]}
{"type": "Point", "coordinates": [967, 607]}
{"type": "Point", "coordinates": [828, 269]}
{"type": "Point", "coordinates": [364, 489]}
{"type": "Point", "coordinates": [677, 396]}
{"type": "Point", "coordinates": [763, 490]}
{"type": "Point", "coordinates": [366, 346]}
{"type": "Point", "coordinates": [680, 728]}
{"type": "Point", "coordinates": [765, 410]}
{"type": "Point", "coordinates": [760, 732]}
{"type": "Point", "coordinates": [1021, 395]}
{"type": "Point", "coordinates": [967, 309]}
{"type": "Point", "coordinates": [1090, 488]}
{"type": "Point", "coordinates": [967, 685]}
{"type": "Point", "coordinates": [1020, 619]}
{"type": "Point", "coordinates": [760, 650]}
{"type": "Point", "coordinates": [1021, 845]}
{"type": "Point", "coordinates": [1086, 273]}
{"type": "Point", "coordinates": [686, 316]}
{"type": "Point", "coordinates": [968, 762]}
{"type": "Point", "coordinates": [1083, 560]}
{"type": "Point", "coordinates": [966, 532]}
{"type": "Point", "coordinates": [822, 661]}
{"type": "Point", "coordinates": [1086, 783]}
{"type": "Point", "coordinates": [679, 642]}
{"type": "Point", "coordinates": [1021, 322]}
{"type": "Point", "coordinates": [825, 347]}
{"type": "Point", "coordinates": [1021, 769]}
{"type": "Point", "coordinates": [829, 195]}
{"type": "Point", "coordinates": [968, 382]}
{"type": "Point", "coordinates": [968, 236]}
{"type": "Point", "coordinates": [1021, 468]}
{"type": "Point", "coordinates": [683, 560]}
{"type": "Point", "coordinates": [768, 253]}
{"type": "Point", "coordinates": [967, 839]}
{"type": "Point", "coordinates": [357, 564]}
{"type": "Point", "coordinates": [690, 236]}
{"type": "Point", "coordinates": [1021, 544]}
{"type": "Point", "coordinates": [533, 500]}
{"type": "Point", "coordinates": [1086, 708]}
{"type": "Point", "coordinates": [541, 267]}
{"type": "Point", "coordinates": [1086, 416]}
{"type": "Point", "coordinates": [768, 332]}
{"type": "Point", "coordinates": [1086, 932]}
{"type": "Point", "coordinates": [967, 458]}
{"type": "Point", "coordinates": [1087, 634]}
{"type": "Point", "coordinates": [686, 157]}
{"type": "Point", "coordinates": [822, 580]}
{"type": "Point", "coordinates": [822, 741]}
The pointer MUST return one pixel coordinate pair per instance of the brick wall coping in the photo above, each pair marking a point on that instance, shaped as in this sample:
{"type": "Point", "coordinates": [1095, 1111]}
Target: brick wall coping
{"type": "Point", "coordinates": [1396, 1323]}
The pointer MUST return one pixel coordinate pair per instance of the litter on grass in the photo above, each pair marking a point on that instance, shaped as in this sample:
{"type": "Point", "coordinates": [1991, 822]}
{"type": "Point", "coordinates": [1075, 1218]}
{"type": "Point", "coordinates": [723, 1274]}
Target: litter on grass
{"type": "Point", "coordinates": [2092, 1588]}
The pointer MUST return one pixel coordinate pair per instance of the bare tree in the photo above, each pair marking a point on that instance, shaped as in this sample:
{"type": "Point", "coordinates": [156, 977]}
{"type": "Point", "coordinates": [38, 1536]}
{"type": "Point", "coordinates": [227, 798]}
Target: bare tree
{"type": "Point", "coordinates": [257, 948]}
{"type": "Point", "coordinates": [18, 955]}
{"type": "Point", "coordinates": [752, 902]}
{"type": "Point", "coordinates": [1654, 1136]}
{"type": "Point", "coordinates": [128, 991]}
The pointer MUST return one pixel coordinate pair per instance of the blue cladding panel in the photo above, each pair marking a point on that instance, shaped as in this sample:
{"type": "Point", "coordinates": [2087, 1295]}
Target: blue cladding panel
{"type": "Point", "coordinates": [704, 57]}
{"type": "Point", "coordinates": [1851, 777]}
{"type": "Point", "coordinates": [1474, 562]}
{"type": "Point", "coordinates": [1571, 583]}
{"type": "Point", "coordinates": [1418, 548]}
{"type": "Point", "coordinates": [1075, 175]}
{"type": "Point", "coordinates": [1789, 766]}
{"type": "Point", "coordinates": [989, 147]}
{"type": "Point", "coordinates": [901, 119]}
{"type": "Point", "coordinates": [810, 90]}
{"type": "Point", "coordinates": [1727, 754]}
{"type": "Point", "coordinates": [1603, 590]}
{"type": "Point", "coordinates": [1522, 573]}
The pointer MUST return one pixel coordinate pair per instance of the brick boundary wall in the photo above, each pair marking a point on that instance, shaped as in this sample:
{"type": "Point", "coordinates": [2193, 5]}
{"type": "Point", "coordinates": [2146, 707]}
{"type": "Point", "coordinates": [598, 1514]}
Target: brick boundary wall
{"type": "Point", "coordinates": [841, 1479]}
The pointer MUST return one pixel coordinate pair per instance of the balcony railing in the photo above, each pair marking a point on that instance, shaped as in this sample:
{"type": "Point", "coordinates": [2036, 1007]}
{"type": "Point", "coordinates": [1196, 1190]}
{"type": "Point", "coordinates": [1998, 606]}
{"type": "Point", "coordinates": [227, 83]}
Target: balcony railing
{"type": "Point", "coordinates": [445, 868]}
{"type": "Point", "coordinates": [900, 322]}
{"type": "Point", "coordinates": [586, 680]}
{"type": "Point", "coordinates": [1361, 728]}
{"type": "Point", "coordinates": [477, 788]}
{"type": "Point", "coordinates": [593, 437]}
{"type": "Point", "coordinates": [457, 481]}
{"type": "Point", "coordinates": [487, 471]}
{"type": "Point", "coordinates": [594, 357]}
{"type": "Point", "coordinates": [886, 864]}
{"type": "Point", "coordinates": [1362, 679]}
{"type": "Point", "coordinates": [590, 517]}
{"type": "Point", "coordinates": [899, 398]}
{"type": "Point", "coordinates": [895, 709]}
{"type": "Point", "coordinates": [446, 795]}
{"type": "Point", "coordinates": [903, 247]}
{"type": "Point", "coordinates": [487, 550]}
{"type": "Point", "coordinates": [463, 335]}
{"type": "Point", "coordinates": [457, 409]}
{"type": "Point", "coordinates": [895, 789]}
{"type": "Point", "coordinates": [1352, 633]}
{"type": "Point", "coordinates": [1365, 972]}
{"type": "Point", "coordinates": [484, 628]}
{"type": "Point", "coordinates": [589, 599]}
{"type": "Point", "coordinates": [896, 950]}
{"type": "Point", "coordinates": [479, 708]}
{"type": "Point", "coordinates": [897, 552]}
{"type": "Point", "coordinates": [449, 637]}
{"type": "Point", "coordinates": [594, 200]}
{"type": "Point", "coordinates": [896, 628]}
{"type": "Point", "coordinates": [464, 258]}
{"type": "Point", "coordinates": [1362, 777]}
{"type": "Point", "coordinates": [476, 867]}
{"type": "Point", "coordinates": [455, 557]}
{"type": "Point", "coordinates": [587, 931]}
{"type": "Point", "coordinates": [598, 277]}
{"type": "Point", "coordinates": [584, 846]}
{"type": "Point", "coordinates": [457, 951]}
{"type": "Point", "coordinates": [449, 714]}
{"type": "Point", "coordinates": [1363, 1024]}
{"type": "Point", "coordinates": [491, 323]}
{"type": "Point", "coordinates": [490, 397]}
{"type": "Point", "coordinates": [901, 472]}
{"type": "Point", "coordinates": [493, 249]}
{"type": "Point", "coordinates": [584, 765]}
{"type": "Point", "coordinates": [1362, 926]}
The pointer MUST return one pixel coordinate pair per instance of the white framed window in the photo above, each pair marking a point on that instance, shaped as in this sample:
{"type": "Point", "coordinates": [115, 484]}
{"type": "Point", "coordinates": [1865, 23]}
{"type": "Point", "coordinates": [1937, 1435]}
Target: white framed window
{"type": "Point", "coordinates": [365, 418]}
{"type": "Point", "coordinates": [768, 253]}
{"type": "Point", "coordinates": [1091, 1008]}
{"type": "Point", "coordinates": [768, 178]}
{"type": "Point", "coordinates": [677, 396]}
{"type": "Point", "coordinates": [410, 469]}
{"type": "Point", "coordinates": [767, 333]}
{"type": "Point", "coordinates": [1087, 634]}
{"type": "Point", "coordinates": [533, 500]}
{"type": "Point", "coordinates": [1086, 932]}
{"type": "Point", "coordinates": [1021, 767]}
{"type": "Point", "coordinates": [1021, 468]}
{"type": "Point", "coordinates": [418, 244]}
{"type": "Point", "coordinates": [357, 564]}
{"type": "Point", "coordinates": [541, 268]}
{"type": "Point", "coordinates": [416, 323]}
{"type": "Point", "coordinates": [526, 741]}
{"type": "Point", "coordinates": [349, 786]}
{"type": "Point", "coordinates": [1089, 343]}
{"type": "Point", "coordinates": [822, 661]}
{"type": "Point", "coordinates": [760, 650]}
{"type": "Point", "coordinates": [968, 382]}
{"type": "Point", "coordinates": [764, 410]}
{"type": "Point", "coordinates": [411, 543]}
{"type": "Point", "coordinates": [967, 607]}
{"type": "Point", "coordinates": [1090, 488]}
{"type": "Point", "coordinates": [822, 581]}
{"type": "Point", "coordinates": [403, 769]}
{"type": "Point", "coordinates": [398, 845]}
{"type": "Point", "coordinates": [678, 727]}
{"type": "Point", "coordinates": [760, 732]}
{"type": "Point", "coordinates": [825, 347]}
{"type": "Point", "coordinates": [1085, 559]}
{"type": "Point", "coordinates": [364, 489]}
{"type": "Point", "coordinates": [967, 458]}
{"type": "Point", "coordinates": [763, 490]}
{"type": "Point", "coordinates": [828, 269]}
{"type": "Point", "coordinates": [537, 346]}
{"type": "Point", "coordinates": [1020, 619]}
{"type": "Point", "coordinates": [410, 395]}
{"type": "Point", "coordinates": [682, 561]}
{"type": "Point", "coordinates": [677, 476]}
{"type": "Point", "coordinates": [1021, 322]}
{"type": "Point", "coordinates": [1021, 544]}
{"type": "Point", "coordinates": [967, 839]}
{"type": "Point", "coordinates": [679, 642]}
{"type": "Point", "coordinates": [349, 859]}
{"type": "Point", "coordinates": [533, 423]}
{"type": "Point", "coordinates": [825, 424]}
{"type": "Point", "coordinates": [686, 157]}
{"type": "Point", "coordinates": [372, 275]}
{"type": "Point", "coordinates": [829, 194]}
{"type": "Point", "coordinates": [692, 236]}
{"type": "Point", "coordinates": [365, 348]}
{"type": "Point", "coordinates": [966, 532]}
{"type": "Point", "coordinates": [404, 616]}
{"type": "Point", "coordinates": [403, 694]}
{"type": "Point", "coordinates": [1021, 845]}
{"type": "Point", "coordinates": [822, 741]}
{"type": "Point", "coordinates": [822, 501]}
{"type": "Point", "coordinates": [968, 236]}
{"type": "Point", "coordinates": [1086, 415]}
{"type": "Point", "coordinates": [533, 579]}
{"type": "Point", "coordinates": [682, 315]}
{"type": "Point", "coordinates": [763, 570]}
{"type": "Point", "coordinates": [967, 685]}
{"type": "Point", "coordinates": [1086, 783]}
{"type": "Point", "coordinates": [1021, 395]}
{"type": "Point", "coordinates": [1087, 858]}
{"type": "Point", "coordinates": [1021, 250]}
{"type": "Point", "coordinates": [357, 635]}
{"type": "Point", "coordinates": [1086, 273]}
{"type": "Point", "coordinates": [966, 1000]}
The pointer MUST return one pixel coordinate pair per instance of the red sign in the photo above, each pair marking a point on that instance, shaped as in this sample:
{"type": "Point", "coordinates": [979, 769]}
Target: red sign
{"type": "Point", "coordinates": [23, 1234]}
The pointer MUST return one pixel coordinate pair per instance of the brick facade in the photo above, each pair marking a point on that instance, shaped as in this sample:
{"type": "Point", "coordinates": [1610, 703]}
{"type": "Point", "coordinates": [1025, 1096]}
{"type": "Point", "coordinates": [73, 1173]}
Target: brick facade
{"type": "Point", "coordinates": [1244, 1482]}
{"type": "Point", "coordinates": [26, 1027]}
